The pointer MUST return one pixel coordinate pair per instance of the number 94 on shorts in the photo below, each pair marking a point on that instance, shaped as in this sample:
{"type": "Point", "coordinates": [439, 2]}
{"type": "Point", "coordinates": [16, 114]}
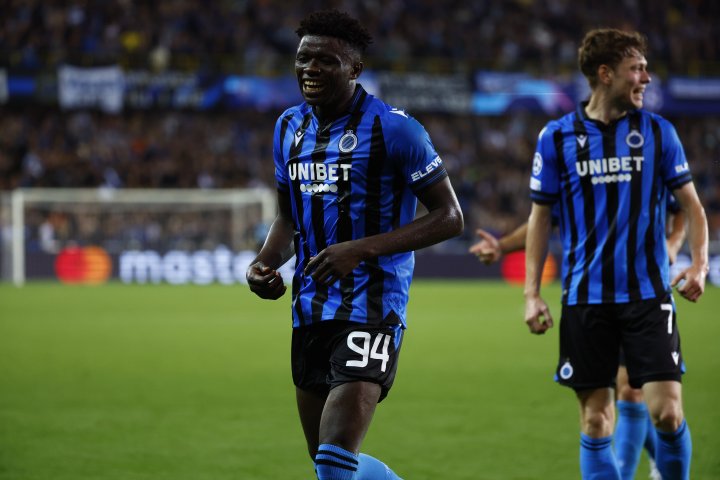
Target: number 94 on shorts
{"type": "Point", "coordinates": [331, 353]}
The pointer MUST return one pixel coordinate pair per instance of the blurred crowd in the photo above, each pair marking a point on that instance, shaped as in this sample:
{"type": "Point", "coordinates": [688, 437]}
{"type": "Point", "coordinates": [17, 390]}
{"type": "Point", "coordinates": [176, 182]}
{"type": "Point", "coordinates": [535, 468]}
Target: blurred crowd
{"type": "Point", "coordinates": [488, 157]}
{"type": "Point", "coordinates": [258, 36]}
{"type": "Point", "coordinates": [49, 229]}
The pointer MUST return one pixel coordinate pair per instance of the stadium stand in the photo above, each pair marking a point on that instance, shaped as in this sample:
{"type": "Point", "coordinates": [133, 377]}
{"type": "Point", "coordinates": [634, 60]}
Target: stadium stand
{"type": "Point", "coordinates": [42, 145]}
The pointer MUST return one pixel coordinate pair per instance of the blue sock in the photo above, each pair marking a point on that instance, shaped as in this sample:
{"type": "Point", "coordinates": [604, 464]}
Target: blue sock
{"type": "Point", "coordinates": [673, 453]}
{"type": "Point", "coordinates": [335, 463]}
{"type": "Point", "coordinates": [371, 468]}
{"type": "Point", "coordinates": [597, 459]}
{"type": "Point", "coordinates": [650, 438]}
{"type": "Point", "coordinates": [630, 434]}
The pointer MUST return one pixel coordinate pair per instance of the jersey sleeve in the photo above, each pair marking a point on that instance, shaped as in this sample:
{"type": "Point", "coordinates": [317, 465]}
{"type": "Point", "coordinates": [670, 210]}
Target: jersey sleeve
{"type": "Point", "coordinates": [673, 165]}
{"type": "Point", "coordinates": [279, 158]}
{"type": "Point", "coordinates": [410, 148]}
{"type": "Point", "coordinates": [545, 178]}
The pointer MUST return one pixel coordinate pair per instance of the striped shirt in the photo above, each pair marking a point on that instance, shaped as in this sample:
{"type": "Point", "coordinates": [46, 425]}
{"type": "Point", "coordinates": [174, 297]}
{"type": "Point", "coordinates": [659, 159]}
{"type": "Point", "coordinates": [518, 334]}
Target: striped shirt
{"type": "Point", "coordinates": [348, 179]}
{"type": "Point", "coordinates": [612, 183]}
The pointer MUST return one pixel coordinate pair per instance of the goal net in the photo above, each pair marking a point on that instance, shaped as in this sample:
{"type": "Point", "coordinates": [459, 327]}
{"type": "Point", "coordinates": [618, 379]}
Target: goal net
{"type": "Point", "coordinates": [136, 236]}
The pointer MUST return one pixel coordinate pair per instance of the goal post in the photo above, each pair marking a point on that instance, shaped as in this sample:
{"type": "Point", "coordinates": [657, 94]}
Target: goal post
{"type": "Point", "coordinates": [46, 223]}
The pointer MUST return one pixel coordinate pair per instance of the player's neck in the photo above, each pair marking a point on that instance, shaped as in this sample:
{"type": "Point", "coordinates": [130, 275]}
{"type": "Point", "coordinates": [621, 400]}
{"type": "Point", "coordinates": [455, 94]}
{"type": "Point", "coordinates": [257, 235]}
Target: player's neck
{"type": "Point", "coordinates": [602, 109]}
{"type": "Point", "coordinates": [329, 113]}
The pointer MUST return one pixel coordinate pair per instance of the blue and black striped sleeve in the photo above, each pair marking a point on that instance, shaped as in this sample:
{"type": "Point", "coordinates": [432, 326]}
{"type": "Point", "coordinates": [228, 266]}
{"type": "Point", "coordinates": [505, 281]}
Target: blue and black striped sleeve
{"type": "Point", "coordinates": [545, 178]}
{"type": "Point", "coordinates": [409, 145]}
{"type": "Point", "coordinates": [281, 131]}
{"type": "Point", "coordinates": [674, 165]}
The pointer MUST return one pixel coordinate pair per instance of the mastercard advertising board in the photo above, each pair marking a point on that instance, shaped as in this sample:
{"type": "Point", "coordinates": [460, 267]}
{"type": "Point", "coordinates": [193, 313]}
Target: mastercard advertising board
{"type": "Point", "coordinates": [92, 265]}
{"type": "Point", "coordinates": [83, 265]}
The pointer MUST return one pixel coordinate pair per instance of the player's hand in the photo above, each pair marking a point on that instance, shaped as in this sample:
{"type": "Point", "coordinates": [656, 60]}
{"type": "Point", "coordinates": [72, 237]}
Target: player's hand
{"type": "Point", "coordinates": [265, 282]}
{"type": "Point", "coordinates": [693, 282]}
{"type": "Point", "coordinates": [488, 249]}
{"type": "Point", "coordinates": [333, 263]}
{"type": "Point", "coordinates": [537, 315]}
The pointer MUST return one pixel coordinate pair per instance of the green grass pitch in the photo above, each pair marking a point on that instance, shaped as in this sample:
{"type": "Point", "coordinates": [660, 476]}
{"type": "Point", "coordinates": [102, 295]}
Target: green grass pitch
{"type": "Point", "coordinates": [190, 383]}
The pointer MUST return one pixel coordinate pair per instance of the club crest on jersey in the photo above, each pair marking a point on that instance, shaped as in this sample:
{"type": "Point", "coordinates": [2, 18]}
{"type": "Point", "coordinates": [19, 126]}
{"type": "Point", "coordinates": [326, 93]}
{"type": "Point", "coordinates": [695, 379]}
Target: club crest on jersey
{"type": "Point", "coordinates": [635, 139]}
{"type": "Point", "coordinates": [348, 142]}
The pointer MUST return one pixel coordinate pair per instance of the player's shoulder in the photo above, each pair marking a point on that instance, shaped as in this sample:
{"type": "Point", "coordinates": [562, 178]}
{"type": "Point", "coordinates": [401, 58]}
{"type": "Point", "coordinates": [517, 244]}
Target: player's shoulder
{"type": "Point", "coordinates": [651, 121]}
{"type": "Point", "coordinates": [655, 117]}
{"type": "Point", "coordinates": [394, 120]}
{"type": "Point", "coordinates": [296, 111]}
{"type": "Point", "coordinates": [557, 125]}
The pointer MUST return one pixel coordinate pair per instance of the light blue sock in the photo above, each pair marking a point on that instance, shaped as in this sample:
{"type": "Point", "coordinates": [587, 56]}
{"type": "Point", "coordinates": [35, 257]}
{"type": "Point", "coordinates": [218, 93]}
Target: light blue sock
{"type": "Point", "coordinates": [597, 459]}
{"type": "Point", "coordinates": [335, 463]}
{"type": "Point", "coordinates": [630, 435]}
{"type": "Point", "coordinates": [673, 453]}
{"type": "Point", "coordinates": [650, 438]}
{"type": "Point", "coordinates": [371, 468]}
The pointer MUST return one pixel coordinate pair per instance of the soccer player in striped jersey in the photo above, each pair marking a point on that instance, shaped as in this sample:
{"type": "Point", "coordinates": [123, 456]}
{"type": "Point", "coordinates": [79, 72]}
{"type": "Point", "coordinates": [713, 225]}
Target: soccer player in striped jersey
{"type": "Point", "coordinates": [349, 172]}
{"type": "Point", "coordinates": [634, 429]}
{"type": "Point", "coordinates": [610, 165]}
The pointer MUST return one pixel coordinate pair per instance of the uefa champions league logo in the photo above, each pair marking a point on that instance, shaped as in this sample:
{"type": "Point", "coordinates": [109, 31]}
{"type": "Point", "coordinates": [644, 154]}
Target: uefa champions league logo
{"type": "Point", "coordinates": [537, 164]}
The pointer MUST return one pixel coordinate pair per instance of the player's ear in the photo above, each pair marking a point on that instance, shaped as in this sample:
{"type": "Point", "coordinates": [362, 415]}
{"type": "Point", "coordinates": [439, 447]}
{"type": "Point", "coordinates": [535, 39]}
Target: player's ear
{"type": "Point", "coordinates": [357, 69]}
{"type": "Point", "coordinates": [605, 74]}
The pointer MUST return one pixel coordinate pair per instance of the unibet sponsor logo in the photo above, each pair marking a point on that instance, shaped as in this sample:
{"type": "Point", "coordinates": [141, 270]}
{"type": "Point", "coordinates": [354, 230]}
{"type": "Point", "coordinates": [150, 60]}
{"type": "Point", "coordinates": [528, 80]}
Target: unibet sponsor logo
{"type": "Point", "coordinates": [318, 187]}
{"type": "Point", "coordinates": [610, 170]}
{"type": "Point", "coordinates": [318, 174]}
{"type": "Point", "coordinates": [87, 265]}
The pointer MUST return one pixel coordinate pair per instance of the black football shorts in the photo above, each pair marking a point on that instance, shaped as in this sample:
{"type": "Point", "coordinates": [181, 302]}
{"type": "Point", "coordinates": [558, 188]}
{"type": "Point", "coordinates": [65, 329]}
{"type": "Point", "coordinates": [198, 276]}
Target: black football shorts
{"type": "Point", "coordinates": [591, 337]}
{"type": "Point", "coordinates": [330, 353]}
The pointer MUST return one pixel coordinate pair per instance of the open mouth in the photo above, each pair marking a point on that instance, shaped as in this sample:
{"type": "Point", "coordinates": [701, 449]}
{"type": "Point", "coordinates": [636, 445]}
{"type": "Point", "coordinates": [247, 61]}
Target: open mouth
{"type": "Point", "coordinates": [312, 87]}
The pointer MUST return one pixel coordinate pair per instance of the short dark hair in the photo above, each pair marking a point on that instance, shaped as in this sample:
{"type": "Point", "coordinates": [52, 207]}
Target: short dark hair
{"type": "Point", "coordinates": [607, 46]}
{"type": "Point", "coordinates": [333, 23]}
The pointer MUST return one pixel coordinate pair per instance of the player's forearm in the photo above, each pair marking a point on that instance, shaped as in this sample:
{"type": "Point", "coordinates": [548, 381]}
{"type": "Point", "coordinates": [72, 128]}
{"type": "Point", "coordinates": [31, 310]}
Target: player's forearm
{"type": "Point", "coordinates": [515, 240]}
{"type": "Point", "coordinates": [278, 246]}
{"type": "Point", "coordinates": [698, 236]}
{"type": "Point", "coordinates": [536, 246]}
{"type": "Point", "coordinates": [434, 227]}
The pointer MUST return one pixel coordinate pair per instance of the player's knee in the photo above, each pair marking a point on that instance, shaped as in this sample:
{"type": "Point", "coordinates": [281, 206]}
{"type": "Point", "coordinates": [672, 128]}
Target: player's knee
{"type": "Point", "coordinates": [628, 394]}
{"type": "Point", "coordinates": [668, 416]}
{"type": "Point", "coordinates": [598, 423]}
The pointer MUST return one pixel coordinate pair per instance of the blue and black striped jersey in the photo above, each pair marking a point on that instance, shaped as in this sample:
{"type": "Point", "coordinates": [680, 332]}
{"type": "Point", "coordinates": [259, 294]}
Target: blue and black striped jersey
{"type": "Point", "coordinates": [612, 184]}
{"type": "Point", "coordinates": [348, 179]}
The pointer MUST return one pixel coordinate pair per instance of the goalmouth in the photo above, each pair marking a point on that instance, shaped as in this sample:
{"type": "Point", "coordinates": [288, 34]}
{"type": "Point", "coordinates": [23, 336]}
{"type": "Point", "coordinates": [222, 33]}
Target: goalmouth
{"type": "Point", "coordinates": [40, 225]}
